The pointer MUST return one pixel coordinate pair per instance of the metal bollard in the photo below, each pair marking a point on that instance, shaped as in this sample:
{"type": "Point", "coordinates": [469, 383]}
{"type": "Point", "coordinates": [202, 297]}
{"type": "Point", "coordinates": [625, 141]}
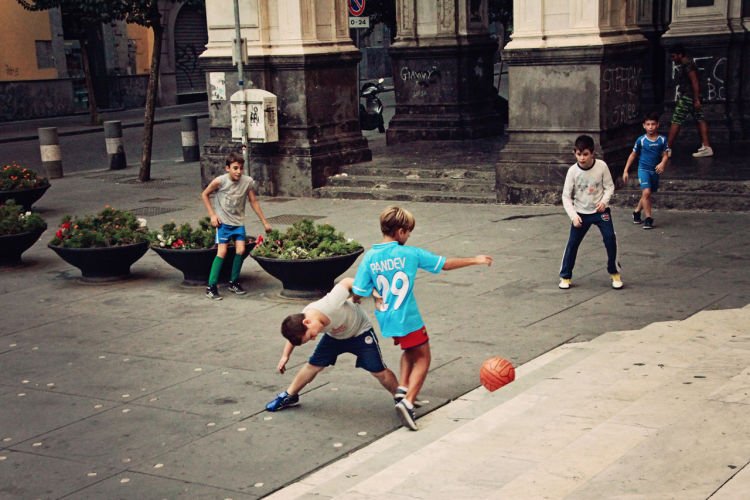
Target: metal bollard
{"type": "Point", "coordinates": [190, 148]}
{"type": "Point", "coordinates": [49, 148]}
{"type": "Point", "coordinates": [115, 148]}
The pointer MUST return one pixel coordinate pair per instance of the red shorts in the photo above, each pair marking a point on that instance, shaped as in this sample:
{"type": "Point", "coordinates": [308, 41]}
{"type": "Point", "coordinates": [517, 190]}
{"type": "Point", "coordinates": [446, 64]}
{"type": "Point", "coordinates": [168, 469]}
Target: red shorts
{"type": "Point", "coordinates": [414, 339]}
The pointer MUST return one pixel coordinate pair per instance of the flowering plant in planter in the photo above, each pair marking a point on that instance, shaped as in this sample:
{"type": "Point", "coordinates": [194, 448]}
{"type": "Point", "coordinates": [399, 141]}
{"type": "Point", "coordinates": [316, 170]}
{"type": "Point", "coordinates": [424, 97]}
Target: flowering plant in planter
{"type": "Point", "coordinates": [305, 240]}
{"type": "Point", "coordinates": [109, 228]}
{"type": "Point", "coordinates": [15, 220]}
{"type": "Point", "coordinates": [15, 177]}
{"type": "Point", "coordinates": [184, 236]}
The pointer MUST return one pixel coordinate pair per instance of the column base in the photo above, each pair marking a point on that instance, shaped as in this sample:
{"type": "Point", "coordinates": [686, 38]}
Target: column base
{"type": "Point", "coordinates": [445, 92]}
{"type": "Point", "coordinates": [318, 117]}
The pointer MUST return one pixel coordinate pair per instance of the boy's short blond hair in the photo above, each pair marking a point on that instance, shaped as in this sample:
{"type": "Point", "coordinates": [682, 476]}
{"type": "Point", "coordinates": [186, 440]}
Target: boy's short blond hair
{"type": "Point", "coordinates": [394, 218]}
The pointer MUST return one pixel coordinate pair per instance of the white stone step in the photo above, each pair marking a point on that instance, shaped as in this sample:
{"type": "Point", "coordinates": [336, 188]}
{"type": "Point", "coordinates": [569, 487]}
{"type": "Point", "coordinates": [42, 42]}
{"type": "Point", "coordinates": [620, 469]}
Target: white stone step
{"type": "Point", "coordinates": [660, 412]}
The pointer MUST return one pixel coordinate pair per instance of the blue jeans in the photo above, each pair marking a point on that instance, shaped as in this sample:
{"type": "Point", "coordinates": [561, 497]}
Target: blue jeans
{"type": "Point", "coordinates": [601, 220]}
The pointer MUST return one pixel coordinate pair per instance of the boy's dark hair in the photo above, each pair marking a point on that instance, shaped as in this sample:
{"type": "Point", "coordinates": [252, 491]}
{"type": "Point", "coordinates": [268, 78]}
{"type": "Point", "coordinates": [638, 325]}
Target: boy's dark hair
{"type": "Point", "coordinates": [234, 157]}
{"type": "Point", "coordinates": [653, 116]}
{"type": "Point", "coordinates": [293, 329]}
{"type": "Point", "coordinates": [678, 49]}
{"type": "Point", "coordinates": [584, 142]}
{"type": "Point", "coordinates": [395, 218]}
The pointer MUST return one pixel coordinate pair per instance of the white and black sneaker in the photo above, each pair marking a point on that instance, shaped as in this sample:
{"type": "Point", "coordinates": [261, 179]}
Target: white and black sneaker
{"type": "Point", "coordinates": [401, 394]}
{"type": "Point", "coordinates": [406, 414]}
{"type": "Point", "coordinates": [236, 288]}
{"type": "Point", "coordinates": [212, 292]}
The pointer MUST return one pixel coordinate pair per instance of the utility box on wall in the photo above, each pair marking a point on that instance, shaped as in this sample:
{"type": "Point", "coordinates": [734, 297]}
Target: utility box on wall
{"type": "Point", "coordinates": [255, 111]}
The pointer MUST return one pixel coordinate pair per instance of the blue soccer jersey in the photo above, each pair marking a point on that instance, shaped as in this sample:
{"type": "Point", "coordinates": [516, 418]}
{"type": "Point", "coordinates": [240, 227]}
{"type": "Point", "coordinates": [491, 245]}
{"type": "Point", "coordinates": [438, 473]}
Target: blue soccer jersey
{"type": "Point", "coordinates": [391, 269]}
{"type": "Point", "coordinates": [649, 152]}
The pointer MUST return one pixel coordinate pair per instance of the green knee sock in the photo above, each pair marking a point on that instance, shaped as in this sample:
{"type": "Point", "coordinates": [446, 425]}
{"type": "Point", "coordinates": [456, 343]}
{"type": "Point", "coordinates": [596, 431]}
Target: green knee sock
{"type": "Point", "coordinates": [236, 267]}
{"type": "Point", "coordinates": [213, 278]}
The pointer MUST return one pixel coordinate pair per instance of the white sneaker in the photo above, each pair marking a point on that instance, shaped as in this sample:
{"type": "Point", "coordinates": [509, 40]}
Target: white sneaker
{"type": "Point", "coordinates": [616, 281]}
{"type": "Point", "coordinates": [703, 152]}
{"type": "Point", "coordinates": [564, 283]}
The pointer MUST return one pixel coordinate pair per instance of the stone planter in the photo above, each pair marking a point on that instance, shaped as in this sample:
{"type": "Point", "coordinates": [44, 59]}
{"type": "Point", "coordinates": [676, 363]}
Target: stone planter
{"type": "Point", "coordinates": [23, 197]}
{"type": "Point", "coordinates": [195, 264]}
{"type": "Point", "coordinates": [13, 245]}
{"type": "Point", "coordinates": [103, 263]}
{"type": "Point", "coordinates": [307, 279]}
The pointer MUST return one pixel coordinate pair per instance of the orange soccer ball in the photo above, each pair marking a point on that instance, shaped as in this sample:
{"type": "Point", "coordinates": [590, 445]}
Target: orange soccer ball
{"type": "Point", "coordinates": [496, 372]}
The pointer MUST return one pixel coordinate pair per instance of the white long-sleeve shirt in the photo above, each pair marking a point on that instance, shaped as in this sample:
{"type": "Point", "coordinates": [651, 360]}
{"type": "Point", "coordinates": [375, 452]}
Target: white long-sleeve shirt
{"type": "Point", "coordinates": [583, 189]}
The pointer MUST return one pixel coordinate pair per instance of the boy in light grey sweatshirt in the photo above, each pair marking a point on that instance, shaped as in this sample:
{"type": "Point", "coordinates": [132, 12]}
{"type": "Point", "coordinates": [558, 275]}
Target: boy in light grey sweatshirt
{"type": "Point", "coordinates": [586, 194]}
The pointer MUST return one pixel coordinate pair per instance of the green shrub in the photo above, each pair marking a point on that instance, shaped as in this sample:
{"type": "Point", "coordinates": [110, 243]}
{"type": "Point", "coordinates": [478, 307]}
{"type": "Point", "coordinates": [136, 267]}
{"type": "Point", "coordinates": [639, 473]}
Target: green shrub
{"type": "Point", "coordinates": [14, 220]}
{"type": "Point", "coordinates": [305, 240]}
{"type": "Point", "coordinates": [109, 228]}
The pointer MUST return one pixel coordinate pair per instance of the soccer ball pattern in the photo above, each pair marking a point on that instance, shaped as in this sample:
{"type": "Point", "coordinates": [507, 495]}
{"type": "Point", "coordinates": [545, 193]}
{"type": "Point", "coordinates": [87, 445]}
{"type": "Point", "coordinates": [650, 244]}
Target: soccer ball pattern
{"type": "Point", "coordinates": [496, 372]}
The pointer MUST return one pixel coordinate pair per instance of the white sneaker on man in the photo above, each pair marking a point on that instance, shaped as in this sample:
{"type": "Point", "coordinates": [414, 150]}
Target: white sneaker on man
{"type": "Point", "coordinates": [703, 152]}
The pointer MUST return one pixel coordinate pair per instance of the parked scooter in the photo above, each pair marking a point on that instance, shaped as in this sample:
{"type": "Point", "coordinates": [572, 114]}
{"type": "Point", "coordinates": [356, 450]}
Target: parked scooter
{"type": "Point", "coordinates": [371, 112]}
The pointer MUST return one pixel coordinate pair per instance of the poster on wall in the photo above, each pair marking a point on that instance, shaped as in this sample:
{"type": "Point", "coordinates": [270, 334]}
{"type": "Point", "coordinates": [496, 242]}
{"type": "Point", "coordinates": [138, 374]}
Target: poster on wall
{"type": "Point", "coordinates": [217, 86]}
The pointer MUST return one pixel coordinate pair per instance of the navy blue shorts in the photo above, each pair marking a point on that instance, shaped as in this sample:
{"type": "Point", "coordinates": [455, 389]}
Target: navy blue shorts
{"type": "Point", "coordinates": [649, 180]}
{"type": "Point", "coordinates": [226, 233]}
{"type": "Point", "coordinates": [365, 346]}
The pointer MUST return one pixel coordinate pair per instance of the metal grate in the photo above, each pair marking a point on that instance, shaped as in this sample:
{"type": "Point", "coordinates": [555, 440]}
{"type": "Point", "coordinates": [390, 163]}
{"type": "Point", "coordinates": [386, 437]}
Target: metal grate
{"type": "Point", "coordinates": [292, 218]}
{"type": "Point", "coordinates": [109, 176]}
{"type": "Point", "coordinates": [156, 200]}
{"type": "Point", "coordinates": [275, 200]}
{"type": "Point", "coordinates": [154, 180]}
{"type": "Point", "coordinates": [151, 211]}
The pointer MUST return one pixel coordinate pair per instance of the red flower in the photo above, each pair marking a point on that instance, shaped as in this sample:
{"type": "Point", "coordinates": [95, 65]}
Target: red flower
{"type": "Point", "coordinates": [259, 240]}
{"type": "Point", "coordinates": [59, 234]}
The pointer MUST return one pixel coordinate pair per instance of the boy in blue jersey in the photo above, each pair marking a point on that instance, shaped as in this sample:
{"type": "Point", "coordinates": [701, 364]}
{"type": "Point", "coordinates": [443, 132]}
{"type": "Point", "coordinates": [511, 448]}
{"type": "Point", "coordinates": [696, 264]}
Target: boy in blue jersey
{"type": "Point", "coordinates": [652, 153]}
{"type": "Point", "coordinates": [390, 268]}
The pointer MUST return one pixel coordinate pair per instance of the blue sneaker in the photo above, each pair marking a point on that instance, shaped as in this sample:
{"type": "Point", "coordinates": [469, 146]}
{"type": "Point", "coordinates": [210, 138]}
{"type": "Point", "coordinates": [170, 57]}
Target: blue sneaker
{"type": "Point", "coordinates": [283, 400]}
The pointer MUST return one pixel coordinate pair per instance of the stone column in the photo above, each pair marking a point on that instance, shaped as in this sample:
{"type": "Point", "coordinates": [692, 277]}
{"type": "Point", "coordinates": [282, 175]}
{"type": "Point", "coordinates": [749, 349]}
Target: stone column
{"type": "Point", "coordinates": [574, 67]}
{"type": "Point", "coordinates": [712, 32]}
{"type": "Point", "coordinates": [299, 50]}
{"type": "Point", "coordinates": [652, 18]}
{"type": "Point", "coordinates": [442, 62]}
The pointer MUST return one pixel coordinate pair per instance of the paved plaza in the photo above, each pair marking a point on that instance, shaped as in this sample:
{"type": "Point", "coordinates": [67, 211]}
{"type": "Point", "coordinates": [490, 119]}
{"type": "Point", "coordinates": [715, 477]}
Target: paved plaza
{"type": "Point", "coordinates": [145, 389]}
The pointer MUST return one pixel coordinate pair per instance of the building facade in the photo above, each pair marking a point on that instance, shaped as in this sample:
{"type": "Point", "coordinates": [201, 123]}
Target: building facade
{"type": "Point", "coordinates": [41, 68]}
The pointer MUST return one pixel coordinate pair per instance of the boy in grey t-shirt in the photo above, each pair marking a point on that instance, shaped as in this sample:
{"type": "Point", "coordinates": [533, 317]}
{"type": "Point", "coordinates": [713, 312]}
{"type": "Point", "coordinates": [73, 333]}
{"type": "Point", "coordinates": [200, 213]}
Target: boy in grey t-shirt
{"type": "Point", "coordinates": [230, 192]}
{"type": "Point", "coordinates": [345, 328]}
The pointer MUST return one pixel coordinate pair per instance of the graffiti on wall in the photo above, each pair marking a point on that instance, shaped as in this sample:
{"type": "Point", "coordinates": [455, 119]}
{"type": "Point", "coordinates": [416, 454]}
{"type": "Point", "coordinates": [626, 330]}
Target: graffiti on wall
{"type": "Point", "coordinates": [26, 100]}
{"type": "Point", "coordinates": [186, 64]}
{"type": "Point", "coordinates": [621, 91]}
{"type": "Point", "coordinates": [421, 78]}
{"type": "Point", "coordinates": [12, 71]}
{"type": "Point", "coordinates": [712, 73]}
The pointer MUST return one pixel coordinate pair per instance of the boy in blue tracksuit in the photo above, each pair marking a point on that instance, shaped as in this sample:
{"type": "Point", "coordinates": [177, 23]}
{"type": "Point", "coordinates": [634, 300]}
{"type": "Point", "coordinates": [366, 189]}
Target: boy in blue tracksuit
{"type": "Point", "coordinates": [390, 268]}
{"type": "Point", "coordinates": [652, 153]}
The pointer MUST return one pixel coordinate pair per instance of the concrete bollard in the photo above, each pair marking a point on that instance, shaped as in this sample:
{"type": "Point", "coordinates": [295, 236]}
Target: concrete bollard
{"type": "Point", "coordinates": [115, 148]}
{"type": "Point", "coordinates": [190, 148]}
{"type": "Point", "coordinates": [49, 148]}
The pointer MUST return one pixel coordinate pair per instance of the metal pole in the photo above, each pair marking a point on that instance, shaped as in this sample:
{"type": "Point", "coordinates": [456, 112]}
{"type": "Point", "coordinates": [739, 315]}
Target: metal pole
{"type": "Point", "coordinates": [189, 133]}
{"type": "Point", "coordinates": [241, 80]}
{"type": "Point", "coordinates": [114, 145]}
{"type": "Point", "coordinates": [49, 148]}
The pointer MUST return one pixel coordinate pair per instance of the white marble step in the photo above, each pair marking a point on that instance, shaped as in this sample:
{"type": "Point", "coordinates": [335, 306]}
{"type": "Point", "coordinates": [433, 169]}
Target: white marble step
{"type": "Point", "coordinates": [660, 412]}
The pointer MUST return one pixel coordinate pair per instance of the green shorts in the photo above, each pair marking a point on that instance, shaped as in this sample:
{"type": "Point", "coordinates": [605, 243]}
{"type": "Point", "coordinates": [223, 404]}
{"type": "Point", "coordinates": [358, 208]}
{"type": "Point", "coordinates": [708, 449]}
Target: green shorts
{"type": "Point", "coordinates": [683, 108]}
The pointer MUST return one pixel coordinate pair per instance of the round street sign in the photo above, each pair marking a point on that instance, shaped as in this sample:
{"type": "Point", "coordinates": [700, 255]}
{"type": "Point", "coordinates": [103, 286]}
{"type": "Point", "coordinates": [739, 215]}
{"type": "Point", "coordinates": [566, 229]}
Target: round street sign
{"type": "Point", "coordinates": [356, 7]}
